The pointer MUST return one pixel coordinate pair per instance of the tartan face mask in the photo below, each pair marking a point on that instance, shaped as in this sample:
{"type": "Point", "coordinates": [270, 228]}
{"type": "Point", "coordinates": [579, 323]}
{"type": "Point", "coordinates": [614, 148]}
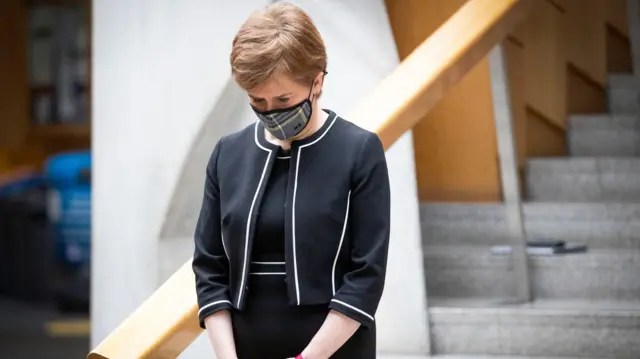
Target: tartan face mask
{"type": "Point", "coordinates": [286, 123]}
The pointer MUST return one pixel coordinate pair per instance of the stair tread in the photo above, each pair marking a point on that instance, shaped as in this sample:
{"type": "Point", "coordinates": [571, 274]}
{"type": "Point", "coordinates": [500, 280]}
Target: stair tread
{"type": "Point", "coordinates": [491, 209]}
{"type": "Point", "coordinates": [604, 120]}
{"type": "Point", "coordinates": [583, 163]}
{"type": "Point", "coordinates": [481, 248]}
{"type": "Point", "coordinates": [597, 179]}
{"type": "Point", "coordinates": [545, 306]}
{"type": "Point", "coordinates": [483, 357]}
{"type": "Point", "coordinates": [621, 80]}
{"type": "Point", "coordinates": [475, 255]}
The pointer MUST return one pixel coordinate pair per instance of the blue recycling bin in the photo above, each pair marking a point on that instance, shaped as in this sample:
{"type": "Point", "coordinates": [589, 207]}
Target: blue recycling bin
{"type": "Point", "coordinates": [69, 206]}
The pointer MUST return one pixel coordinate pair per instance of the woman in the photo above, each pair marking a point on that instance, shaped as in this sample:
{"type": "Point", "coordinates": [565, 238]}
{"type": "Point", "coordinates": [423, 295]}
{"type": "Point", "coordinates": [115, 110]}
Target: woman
{"type": "Point", "coordinates": [292, 239]}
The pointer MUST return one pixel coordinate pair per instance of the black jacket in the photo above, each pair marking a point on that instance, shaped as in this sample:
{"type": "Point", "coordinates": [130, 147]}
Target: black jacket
{"type": "Point", "coordinates": [336, 222]}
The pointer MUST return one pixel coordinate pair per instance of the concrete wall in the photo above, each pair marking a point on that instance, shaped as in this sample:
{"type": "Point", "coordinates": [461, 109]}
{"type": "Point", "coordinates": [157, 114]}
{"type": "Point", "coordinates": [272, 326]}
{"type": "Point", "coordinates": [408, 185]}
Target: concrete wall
{"type": "Point", "coordinates": [158, 68]}
{"type": "Point", "coordinates": [162, 98]}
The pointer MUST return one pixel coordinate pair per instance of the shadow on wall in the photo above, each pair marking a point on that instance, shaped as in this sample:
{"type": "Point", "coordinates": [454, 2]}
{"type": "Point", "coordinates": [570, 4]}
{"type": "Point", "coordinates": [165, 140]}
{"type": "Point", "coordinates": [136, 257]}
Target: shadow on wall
{"type": "Point", "coordinates": [230, 113]}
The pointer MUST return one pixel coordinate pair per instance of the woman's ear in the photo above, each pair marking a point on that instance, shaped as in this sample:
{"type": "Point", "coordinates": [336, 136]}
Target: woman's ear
{"type": "Point", "coordinates": [318, 83]}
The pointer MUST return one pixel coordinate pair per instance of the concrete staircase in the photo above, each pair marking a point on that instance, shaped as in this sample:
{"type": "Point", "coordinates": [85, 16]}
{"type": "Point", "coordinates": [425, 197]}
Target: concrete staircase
{"type": "Point", "coordinates": [587, 304]}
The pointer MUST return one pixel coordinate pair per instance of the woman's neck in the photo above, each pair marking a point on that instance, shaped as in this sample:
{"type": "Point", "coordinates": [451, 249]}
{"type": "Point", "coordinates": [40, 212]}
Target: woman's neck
{"type": "Point", "coordinates": [316, 122]}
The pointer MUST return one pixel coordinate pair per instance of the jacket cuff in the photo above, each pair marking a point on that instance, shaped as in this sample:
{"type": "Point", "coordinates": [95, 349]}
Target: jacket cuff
{"type": "Point", "coordinates": [365, 319]}
{"type": "Point", "coordinates": [211, 308]}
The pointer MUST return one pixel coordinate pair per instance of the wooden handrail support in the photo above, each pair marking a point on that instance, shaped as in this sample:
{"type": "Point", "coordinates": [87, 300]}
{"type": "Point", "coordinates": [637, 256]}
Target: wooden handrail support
{"type": "Point", "coordinates": [164, 325]}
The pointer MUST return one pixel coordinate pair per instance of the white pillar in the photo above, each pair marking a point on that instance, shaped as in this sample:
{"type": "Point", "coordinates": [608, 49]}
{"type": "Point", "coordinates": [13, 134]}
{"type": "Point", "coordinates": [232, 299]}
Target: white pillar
{"type": "Point", "coordinates": [158, 68]}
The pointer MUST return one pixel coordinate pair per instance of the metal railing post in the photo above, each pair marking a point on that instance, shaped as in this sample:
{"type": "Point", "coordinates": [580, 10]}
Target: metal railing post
{"type": "Point", "coordinates": [509, 172]}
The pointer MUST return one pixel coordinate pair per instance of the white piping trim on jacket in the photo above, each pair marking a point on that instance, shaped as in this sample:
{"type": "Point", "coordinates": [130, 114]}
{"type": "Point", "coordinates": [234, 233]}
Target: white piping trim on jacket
{"type": "Point", "coordinates": [354, 308]}
{"type": "Point", "coordinates": [268, 263]}
{"type": "Point", "coordinates": [223, 246]}
{"type": "Point", "coordinates": [268, 273]}
{"type": "Point", "coordinates": [255, 137]}
{"type": "Point", "coordinates": [284, 157]}
{"type": "Point", "coordinates": [324, 133]}
{"type": "Point", "coordinates": [344, 229]}
{"type": "Point", "coordinates": [246, 238]}
{"type": "Point", "coordinates": [293, 207]}
{"type": "Point", "coordinates": [212, 304]}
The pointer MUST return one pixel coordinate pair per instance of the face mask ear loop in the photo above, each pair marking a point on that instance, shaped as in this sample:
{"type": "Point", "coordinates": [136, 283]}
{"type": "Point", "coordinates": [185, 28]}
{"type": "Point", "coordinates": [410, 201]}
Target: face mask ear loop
{"type": "Point", "coordinates": [310, 91]}
{"type": "Point", "coordinates": [324, 73]}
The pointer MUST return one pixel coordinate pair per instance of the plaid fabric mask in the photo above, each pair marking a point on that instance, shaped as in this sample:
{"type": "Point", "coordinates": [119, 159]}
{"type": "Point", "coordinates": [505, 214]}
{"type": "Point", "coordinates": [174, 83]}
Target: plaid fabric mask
{"type": "Point", "coordinates": [286, 123]}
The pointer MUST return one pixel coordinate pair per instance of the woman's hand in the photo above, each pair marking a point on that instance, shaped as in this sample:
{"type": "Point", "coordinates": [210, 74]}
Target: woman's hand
{"type": "Point", "coordinates": [334, 332]}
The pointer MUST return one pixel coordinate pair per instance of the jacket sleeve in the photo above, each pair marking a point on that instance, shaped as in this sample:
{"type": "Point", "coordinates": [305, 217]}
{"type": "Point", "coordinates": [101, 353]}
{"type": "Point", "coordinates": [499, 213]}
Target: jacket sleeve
{"type": "Point", "coordinates": [368, 223]}
{"type": "Point", "coordinates": [210, 262]}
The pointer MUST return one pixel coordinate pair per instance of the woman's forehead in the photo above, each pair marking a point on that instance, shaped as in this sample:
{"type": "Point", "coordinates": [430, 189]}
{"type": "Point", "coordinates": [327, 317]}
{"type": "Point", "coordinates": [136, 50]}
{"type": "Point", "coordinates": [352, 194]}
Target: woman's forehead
{"type": "Point", "coordinates": [277, 86]}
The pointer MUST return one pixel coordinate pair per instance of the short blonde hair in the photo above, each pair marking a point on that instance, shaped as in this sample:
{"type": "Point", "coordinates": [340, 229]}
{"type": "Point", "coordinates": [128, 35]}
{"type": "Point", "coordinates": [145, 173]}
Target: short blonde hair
{"type": "Point", "coordinates": [279, 39]}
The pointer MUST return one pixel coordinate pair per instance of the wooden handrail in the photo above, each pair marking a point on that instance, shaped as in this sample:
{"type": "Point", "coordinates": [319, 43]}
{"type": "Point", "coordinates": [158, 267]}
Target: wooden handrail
{"type": "Point", "coordinates": [161, 328]}
{"type": "Point", "coordinates": [434, 67]}
{"type": "Point", "coordinates": [164, 325]}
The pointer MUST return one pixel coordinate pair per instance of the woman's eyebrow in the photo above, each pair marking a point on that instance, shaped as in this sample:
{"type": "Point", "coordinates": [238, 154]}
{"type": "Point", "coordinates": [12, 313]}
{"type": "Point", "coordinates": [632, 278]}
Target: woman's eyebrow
{"type": "Point", "coordinates": [279, 96]}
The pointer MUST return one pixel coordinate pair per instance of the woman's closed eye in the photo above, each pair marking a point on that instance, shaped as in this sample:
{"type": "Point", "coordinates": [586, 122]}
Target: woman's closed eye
{"type": "Point", "coordinates": [283, 100]}
{"type": "Point", "coordinates": [258, 101]}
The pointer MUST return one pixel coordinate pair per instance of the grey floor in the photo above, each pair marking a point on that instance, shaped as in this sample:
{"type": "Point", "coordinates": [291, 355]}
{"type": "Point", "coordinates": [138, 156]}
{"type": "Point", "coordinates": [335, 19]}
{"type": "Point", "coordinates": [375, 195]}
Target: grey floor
{"type": "Point", "coordinates": [23, 334]}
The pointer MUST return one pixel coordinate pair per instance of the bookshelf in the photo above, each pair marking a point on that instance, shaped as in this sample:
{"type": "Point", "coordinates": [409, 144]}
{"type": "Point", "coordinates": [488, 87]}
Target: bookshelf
{"type": "Point", "coordinates": [59, 58]}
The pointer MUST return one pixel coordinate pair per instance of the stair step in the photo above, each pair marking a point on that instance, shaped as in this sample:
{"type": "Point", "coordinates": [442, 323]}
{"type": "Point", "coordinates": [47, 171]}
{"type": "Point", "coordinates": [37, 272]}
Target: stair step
{"type": "Point", "coordinates": [541, 329]}
{"type": "Point", "coordinates": [603, 135]}
{"type": "Point", "coordinates": [587, 179]}
{"type": "Point", "coordinates": [445, 356]}
{"type": "Point", "coordinates": [622, 94]}
{"type": "Point", "coordinates": [599, 225]}
{"type": "Point", "coordinates": [477, 357]}
{"type": "Point", "coordinates": [473, 272]}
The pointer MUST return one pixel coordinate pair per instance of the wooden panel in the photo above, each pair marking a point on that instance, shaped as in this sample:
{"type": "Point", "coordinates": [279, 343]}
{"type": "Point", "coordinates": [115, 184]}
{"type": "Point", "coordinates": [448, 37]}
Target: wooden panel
{"type": "Point", "coordinates": [412, 21]}
{"type": "Point", "coordinates": [615, 14]}
{"type": "Point", "coordinates": [567, 47]}
{"type": "Point", "coordinates": [460, 128]}
{"type": "Point", "coordinates": [584, 37]}
{"type": "Point", "coordinates": [544, 139]}
{"type": "Point", "coordinates": [583, 94]}
{"type": "Point", "coordinates": [14, 101]}
{"type": "Point", "coordinates": [618, 51]}
{"type": "Point", "coordinates": [544, 62]}
{"type": "Point", "coordinates": [394, 107]}
{"type": "Point", "coordinates": [5, 162]}
{"type": "Point", "coordinates": [455, 153]}
{"type": "Point", "coordinates": [556, 33]}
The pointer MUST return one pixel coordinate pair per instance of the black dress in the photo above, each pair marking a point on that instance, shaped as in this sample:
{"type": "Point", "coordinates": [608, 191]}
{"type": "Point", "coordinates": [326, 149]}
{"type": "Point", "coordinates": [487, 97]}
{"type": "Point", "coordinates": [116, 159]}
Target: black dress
{"type": "Point", "coordinates": [270, 328]}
